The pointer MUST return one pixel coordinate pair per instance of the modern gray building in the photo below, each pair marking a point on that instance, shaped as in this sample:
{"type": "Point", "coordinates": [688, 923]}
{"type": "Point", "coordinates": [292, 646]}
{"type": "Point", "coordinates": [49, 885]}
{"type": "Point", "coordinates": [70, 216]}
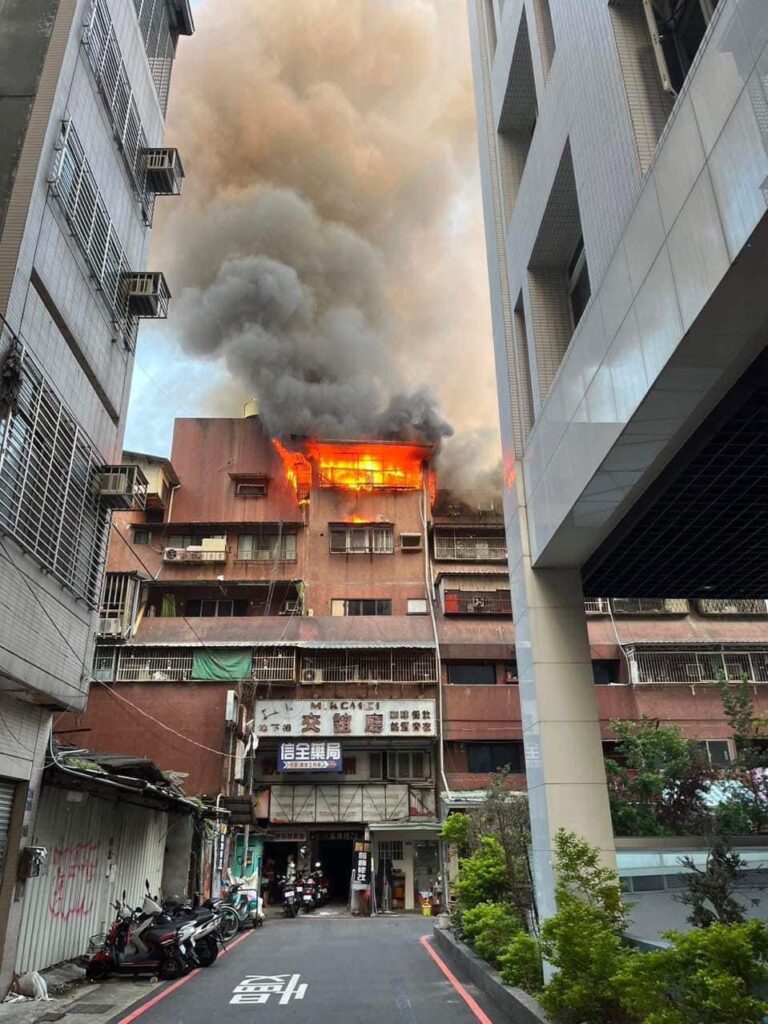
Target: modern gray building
{"type": "Point", "coordinates": [625, 179]}
{"type": "Point", "coordinates": [83, 92]}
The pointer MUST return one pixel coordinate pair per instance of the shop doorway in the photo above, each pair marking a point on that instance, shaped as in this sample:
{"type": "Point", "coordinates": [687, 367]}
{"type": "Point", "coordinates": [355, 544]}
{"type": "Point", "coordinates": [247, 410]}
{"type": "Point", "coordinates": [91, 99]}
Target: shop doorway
{"type": "Point", "coordinates": [274, 865]}
{"type": "Point", "coordinates": [335, 855]}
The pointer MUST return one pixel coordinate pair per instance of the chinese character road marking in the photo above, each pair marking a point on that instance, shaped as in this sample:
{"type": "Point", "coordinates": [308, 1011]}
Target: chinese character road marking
{"type": "Point", "coordinates": [257, 988]}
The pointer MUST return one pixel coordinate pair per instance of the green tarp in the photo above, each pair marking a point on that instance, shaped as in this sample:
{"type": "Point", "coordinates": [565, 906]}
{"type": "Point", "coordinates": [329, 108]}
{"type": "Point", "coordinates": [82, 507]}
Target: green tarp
{"type": "Point", "coordinates": [221, 663]}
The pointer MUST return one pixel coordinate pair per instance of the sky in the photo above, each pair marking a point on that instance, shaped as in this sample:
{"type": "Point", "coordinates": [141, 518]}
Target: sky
{"type": "Point", "coordinates": [327, 253]}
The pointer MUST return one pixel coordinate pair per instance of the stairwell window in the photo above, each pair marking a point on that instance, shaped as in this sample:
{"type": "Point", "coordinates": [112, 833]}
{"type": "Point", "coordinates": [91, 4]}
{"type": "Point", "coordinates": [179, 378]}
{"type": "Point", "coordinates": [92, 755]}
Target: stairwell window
{"type": "Point", "coordinates": [579, 288]}
{"type": "Point", "coordinates": [362, 540]}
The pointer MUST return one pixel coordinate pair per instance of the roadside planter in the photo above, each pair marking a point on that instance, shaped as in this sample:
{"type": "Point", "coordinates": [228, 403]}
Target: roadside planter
{"type": "Point", "coordinates": [518, 1006]}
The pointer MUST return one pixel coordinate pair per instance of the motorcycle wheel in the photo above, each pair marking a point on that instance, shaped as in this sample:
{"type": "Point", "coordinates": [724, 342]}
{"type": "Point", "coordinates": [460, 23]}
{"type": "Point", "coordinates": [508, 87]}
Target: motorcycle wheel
{"type": "Point", "coordinates": [98, 971]}
{"type": "Point", "coordinates": [294, 910]}
{"type": "Point", "coordinates": [229, 924]}
{"type": "Point", "coordinates": [172, 966]}
{"type": "Point", "coordinates": [207, 951]}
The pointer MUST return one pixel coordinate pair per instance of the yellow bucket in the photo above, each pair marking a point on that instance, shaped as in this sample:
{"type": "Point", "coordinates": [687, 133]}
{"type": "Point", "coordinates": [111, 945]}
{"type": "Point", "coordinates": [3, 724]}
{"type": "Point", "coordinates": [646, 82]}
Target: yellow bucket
{"type": "Point", "coordinates": [426, 910]}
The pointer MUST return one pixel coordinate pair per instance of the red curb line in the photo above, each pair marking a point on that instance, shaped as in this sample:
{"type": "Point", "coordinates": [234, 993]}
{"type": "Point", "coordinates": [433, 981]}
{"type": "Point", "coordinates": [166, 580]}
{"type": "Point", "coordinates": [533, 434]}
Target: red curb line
{"type": "Point", "coordinates": [177, 984]}
{"type": "Point", "coordinates": [471, 1003]}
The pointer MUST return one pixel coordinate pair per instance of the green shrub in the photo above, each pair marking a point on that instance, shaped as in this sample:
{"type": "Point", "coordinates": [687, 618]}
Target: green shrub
{"type": "Point", "coordinates": [585, 949]}
{"type": "Point", "coordinates": [520, 963]}
{"type": "Point", "coordinates": [708, 976]}
{"type": "Point", "coordinates": [457, 829]}
{"type": "Point", "coordinates": [483, 876]}
{"type": "Point", "coordinates": [489, 927]}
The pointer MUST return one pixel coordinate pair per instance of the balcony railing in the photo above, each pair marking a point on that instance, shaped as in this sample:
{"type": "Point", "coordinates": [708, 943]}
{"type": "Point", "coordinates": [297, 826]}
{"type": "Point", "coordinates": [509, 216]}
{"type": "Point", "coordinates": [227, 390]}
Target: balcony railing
{"type": "Point", "coordinates": [712, 607]}
{"type": "Point", "coordinates": [597, 606]}
{"type": "Point", "coordinates": [649, 606]}
{"type": "Point", "coordinates": [477, 602]}
{"type": "Point", "coordinates": [119, 595]}
{"type": "Point", "coordinates": [150, 664]}
{"type": "Point", "coordinates": [697, 666]}
{"type": "Point", "coordinates": [465, 547]}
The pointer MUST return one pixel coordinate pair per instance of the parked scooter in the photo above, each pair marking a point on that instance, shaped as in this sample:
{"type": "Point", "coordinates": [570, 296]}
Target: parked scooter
{"type": "Point", "coordinates": [206, 922]}
{"type": "Point", "coordinates": [290, 902]}
{"type": "Point", "coordinates": [142, 942]}
{"type": "Point", "coordinates": [308, 899]}
{"type": "Point", "coordinates": [247, 904]}
{"type": "Point", "coordinates": [322, 888]}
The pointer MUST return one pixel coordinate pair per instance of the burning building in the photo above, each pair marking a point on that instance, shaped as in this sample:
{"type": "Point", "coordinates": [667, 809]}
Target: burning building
{"type": "Point", "coordinates": [315, 631]}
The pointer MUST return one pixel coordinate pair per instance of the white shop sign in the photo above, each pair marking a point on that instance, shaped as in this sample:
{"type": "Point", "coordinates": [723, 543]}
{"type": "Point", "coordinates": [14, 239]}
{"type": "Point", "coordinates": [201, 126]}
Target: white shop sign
{"type": "Point", "coordinates": [309, 718]}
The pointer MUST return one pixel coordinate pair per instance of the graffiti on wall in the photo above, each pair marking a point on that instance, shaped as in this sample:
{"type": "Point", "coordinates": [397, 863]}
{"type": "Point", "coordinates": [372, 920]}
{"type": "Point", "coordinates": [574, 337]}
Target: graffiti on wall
{"type": "Point", "coordinates": [74, 872]}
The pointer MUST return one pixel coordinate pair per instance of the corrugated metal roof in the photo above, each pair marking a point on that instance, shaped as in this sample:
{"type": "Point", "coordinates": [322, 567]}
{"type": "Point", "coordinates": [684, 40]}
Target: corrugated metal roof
{"type": "Point", "coordinates": [390, 631]}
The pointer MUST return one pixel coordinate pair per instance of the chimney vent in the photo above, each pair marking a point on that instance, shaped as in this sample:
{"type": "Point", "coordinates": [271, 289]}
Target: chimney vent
{"type": "Point", "coordinates": [251, 409]}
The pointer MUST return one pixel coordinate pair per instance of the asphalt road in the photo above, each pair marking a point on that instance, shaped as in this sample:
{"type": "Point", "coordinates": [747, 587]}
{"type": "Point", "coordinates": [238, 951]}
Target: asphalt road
{"type": "Point", "coordinates": [361, 970]}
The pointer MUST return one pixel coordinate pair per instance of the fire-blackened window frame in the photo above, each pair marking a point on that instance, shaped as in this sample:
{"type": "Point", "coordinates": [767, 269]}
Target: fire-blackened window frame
{"type": "Point", "coordinates": [361, 538]}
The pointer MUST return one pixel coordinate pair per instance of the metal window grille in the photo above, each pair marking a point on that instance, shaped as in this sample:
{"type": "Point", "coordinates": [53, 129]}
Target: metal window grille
{"type": "Point", "coordinates": [697, 666]}
{"type": "Point", "coordinates": [266, 547]}
{"type": "Point", "coordinates": [274, 664]}
{"type": "Point", "coordinates": [145, 664]}
{"type": "Point", "coordinates": [369, 666]}
{"type": "Point", "coordinates": [742, 607]}
{"type": "Point", "coordinates": [649, 606]}
{"type": "Point", "coordinates": [77, 193]}
{"type": "Point", "coordinates": [49, 501]}
{"type": "Point", "coordinates": [118, 598]}
{"type": "Point", "coordinates": [390, 849]}
{"type": "Point", "coordinates": [107, 63]}
{"type": "Point", "coordinates": [362, 540]}
{"type": "Point", "coordinates": [104, 663]}
{"type": "Point", "coordinates": [455, 545]}
{"type": "Point", "coordinates": [159, 44]}
{"type": "Point", "coordinates": [477, 602]}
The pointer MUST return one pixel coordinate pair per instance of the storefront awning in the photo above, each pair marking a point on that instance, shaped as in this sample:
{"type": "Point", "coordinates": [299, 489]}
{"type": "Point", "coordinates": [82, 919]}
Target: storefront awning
{"type": "Point", "coordinates": [432, 827]}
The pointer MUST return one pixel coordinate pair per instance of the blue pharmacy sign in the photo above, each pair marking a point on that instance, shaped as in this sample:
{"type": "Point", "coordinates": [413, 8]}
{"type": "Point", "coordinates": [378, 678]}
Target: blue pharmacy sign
{"type": "Point", "coordinates": [317, 756]}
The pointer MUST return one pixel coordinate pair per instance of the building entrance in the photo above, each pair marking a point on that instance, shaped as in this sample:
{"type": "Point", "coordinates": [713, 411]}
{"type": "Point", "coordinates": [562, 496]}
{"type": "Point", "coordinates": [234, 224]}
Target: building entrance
{"type": "Point", "coordinates": [335, 855]}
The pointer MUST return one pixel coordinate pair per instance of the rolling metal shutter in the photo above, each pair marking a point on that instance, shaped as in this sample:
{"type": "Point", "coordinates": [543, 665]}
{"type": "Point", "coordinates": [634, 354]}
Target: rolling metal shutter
{"type": "Point", "coordinates": [7, 792]}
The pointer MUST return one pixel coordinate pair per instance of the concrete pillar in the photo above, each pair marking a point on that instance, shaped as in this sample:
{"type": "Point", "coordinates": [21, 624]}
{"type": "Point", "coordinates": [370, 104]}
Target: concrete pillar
{"type": "Point", "coordinates": [563, 753]}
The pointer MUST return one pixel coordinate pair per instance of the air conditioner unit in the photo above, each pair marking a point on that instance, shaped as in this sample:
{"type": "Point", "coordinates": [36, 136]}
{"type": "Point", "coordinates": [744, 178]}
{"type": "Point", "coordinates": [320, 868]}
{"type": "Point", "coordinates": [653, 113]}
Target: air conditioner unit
{"type": "Point", "coordinates": [147, 295]}
{"type": "Point", "coordinates": [173, 554]}
{"type": "Point", "coordinates": [478, 602]}
{"type": "Point", "coordinates": [163, 172]}
{"type": "Point", "coordinates": [290, 608]}
{"type": "Point", "coordinates": [310, 676]}
{"type": "Point", "coordinates": [231, 709]}
{"type": "Point", "coordinates": [121, 487]}
{"type": "Point", "coordinates": [410, 541]}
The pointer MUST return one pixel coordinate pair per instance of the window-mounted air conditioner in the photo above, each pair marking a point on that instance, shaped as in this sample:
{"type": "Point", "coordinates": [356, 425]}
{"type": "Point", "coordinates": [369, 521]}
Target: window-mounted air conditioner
{"type": "Point", "coordinates": [147, 295]}
{"type": "Point", "coordinates": [310, 676]}
{"type": "Point", "coordinates": [290, 608]}
{"type": "Point", "coordinates": [173, 554]}
{"type": "Point", "coordinates": [410, 541]}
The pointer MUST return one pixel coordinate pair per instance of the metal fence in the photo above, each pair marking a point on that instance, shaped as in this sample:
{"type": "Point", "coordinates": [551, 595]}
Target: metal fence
{"type": "Point", "coordinates": [153, 664]}
{"type": "Point", "coordinates": [712, 607]}
{"type": "Point", "coordinates": [697, 666]}
{"type": "Point", "coordinates": [477, 602]}
{"type": "Point", "coordinates": [274, 664]}
{"type": "Point", "coordinates": [369, 666]}
{"type": "Point", "coordinates": [649, 606]}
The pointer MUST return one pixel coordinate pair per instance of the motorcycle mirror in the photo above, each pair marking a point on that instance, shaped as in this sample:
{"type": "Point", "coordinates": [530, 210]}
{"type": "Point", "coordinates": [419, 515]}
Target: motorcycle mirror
{"type": "Point", "coordinates": [146, 883]}
{"type": "Point", "coordinates": [123, 895]}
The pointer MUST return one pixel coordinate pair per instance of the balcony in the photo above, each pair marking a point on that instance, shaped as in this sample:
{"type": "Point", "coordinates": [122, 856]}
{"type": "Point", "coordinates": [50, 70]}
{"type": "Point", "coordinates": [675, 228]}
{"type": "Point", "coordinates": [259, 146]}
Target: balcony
{"type": "Point", "coordinates": [597, 606]}
{"type": "Point", "coordinates": [713, 607]}
{"type": "Point", "coordinates": [146, 295]}
{"type": "Point", "coordinates": [122, 487]}
{"type": "Point", "coordinates": [163, 172]}
{"type": "Point", "coordinates": [117, 608]}
{"type": "Point", "coordinates": [477, 602]}
{"type": "Point", "coordinates": [313, 668]}
{"type": "Point", "coordinates": [693, 667]}
{"type": "Point", "coordinates": [649, 606]}
{"type": "Point", "coordinates": [213, 550]}
{"type": "Point", "coordinates": [468, 546]}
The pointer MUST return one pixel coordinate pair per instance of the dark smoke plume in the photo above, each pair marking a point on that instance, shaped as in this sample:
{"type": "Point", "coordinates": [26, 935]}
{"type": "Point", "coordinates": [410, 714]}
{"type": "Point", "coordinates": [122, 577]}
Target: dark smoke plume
{"type": "Point", "coordinates": [328, 247]}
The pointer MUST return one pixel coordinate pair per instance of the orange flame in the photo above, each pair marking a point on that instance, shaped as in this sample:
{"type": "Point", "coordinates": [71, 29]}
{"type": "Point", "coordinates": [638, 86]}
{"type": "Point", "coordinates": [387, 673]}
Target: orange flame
{"type": "Point", "coordinates": [297, 469]}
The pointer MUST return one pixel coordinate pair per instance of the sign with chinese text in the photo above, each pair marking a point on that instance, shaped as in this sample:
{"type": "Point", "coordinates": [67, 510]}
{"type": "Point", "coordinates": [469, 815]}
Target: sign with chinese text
{"type": "Point", "coordinates": [310, 718]}
{"type": "Point", "coordinates": [259, 988]}
{"type": "Point", "coordinates": [310, 756]}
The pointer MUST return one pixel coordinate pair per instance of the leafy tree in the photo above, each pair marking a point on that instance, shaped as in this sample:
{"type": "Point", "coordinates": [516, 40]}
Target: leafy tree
{"type": "Point", "coordinates": [709, 890]}
{"type": "Point", "coordinates": [745, 807]}
{"type": "Point", "coordinates": [457, 829]}
{"type": "Point", "coordinates": [520, 963]}
{"type": "Point", "coordinates": [661, 788]}
{"type": "Point", "coordinates": [483, 876]}
{"type": "Point", "coordinates": [714, 975]}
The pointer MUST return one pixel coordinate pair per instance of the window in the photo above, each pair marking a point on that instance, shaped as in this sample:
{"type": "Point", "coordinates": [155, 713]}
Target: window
{"type": "Point", "coordinates": [483, 758]}
{"type": "Point", "coordinates": [406, 764]}
{"type": "Point", "coordinates": [180, 540]}
{"type": "Point", "coordinates": [141, 537]}
{"type": "Point", "coordinates": [470, 546]}
{"type": "Point", "coordinates": [215, 608]}
{"type": "Point", "coordinates": [417, 606]}
{"type": "Point", "coordinates": [376, 764]}
{"type": "Point", "coordinates": [517, 120]}
{"type": "Point", "coordinates": [579, 289]}
{"type": "Point", "coordinates": [252, 487]}
{"type": "Point", "coordinates": [362, 540]}
{"type": "Point", "coordinates": [390, 849]}
{"type": "Point", "coordinates": [361, 606]}
{"type": "Point", "coordinates": [612, 750]}
{"type": "Point", "coordinates": [717, 752]}
{"type": "Point", "coordinates": [266, 547]}
{"type": "Point", "coordinates": [472, 673]}
{"type": "Point", "coordinates": [605, 671]}
{"type": "Point", "coordinates": [677, 28]}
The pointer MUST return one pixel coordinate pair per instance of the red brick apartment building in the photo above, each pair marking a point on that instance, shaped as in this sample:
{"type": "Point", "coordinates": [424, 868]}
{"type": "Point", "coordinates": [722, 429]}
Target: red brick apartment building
{"type": "Point", "coordinates": [314, 593]}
